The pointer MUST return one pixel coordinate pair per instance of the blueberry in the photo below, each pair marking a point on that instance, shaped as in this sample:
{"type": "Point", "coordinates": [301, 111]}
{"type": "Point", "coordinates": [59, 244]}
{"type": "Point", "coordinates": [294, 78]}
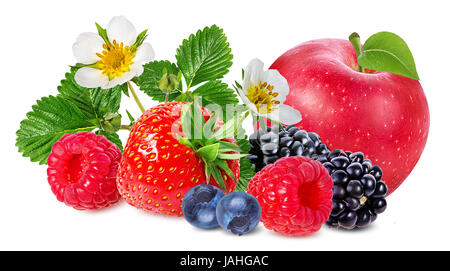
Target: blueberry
{"type": "Point", "coordinates": [199, 206]}
{"type": "Point", "coordinates": [238, 212]}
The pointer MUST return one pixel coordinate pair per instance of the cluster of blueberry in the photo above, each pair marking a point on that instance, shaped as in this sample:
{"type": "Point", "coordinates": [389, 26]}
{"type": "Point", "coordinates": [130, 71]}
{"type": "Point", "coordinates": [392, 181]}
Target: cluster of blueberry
{"type": "Point", "coordinates": [206, 206]}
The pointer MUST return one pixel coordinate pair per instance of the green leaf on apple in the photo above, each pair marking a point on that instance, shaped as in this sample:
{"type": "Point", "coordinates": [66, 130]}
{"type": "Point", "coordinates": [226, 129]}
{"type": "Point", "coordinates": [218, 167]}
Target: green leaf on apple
{"type": "Point", "coordinates": [386, 51]}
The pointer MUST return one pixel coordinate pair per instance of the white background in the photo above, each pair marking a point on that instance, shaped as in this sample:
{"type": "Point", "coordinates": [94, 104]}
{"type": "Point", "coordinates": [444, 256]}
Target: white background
{"type": "Point", "coordinates": [35, 51]}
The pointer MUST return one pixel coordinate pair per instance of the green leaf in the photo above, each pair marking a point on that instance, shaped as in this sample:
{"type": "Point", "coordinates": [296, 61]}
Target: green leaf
{"type": "Point", "coordinates": [209, 153]}
{"type": "Point", "coordinates": [385, 51]}
{"type": "Point", "coordinates": [186, 142]}
{"type": "Point", "coordinates": [224, 166]}
{"type": "Point", "coordinates": [204, 56]}
{"type": "Point", "coordinates": [217, 175]}
{"type": "Point", "coordinates": [93, 103]}
{"type": "Point", "coordinates": [114, 138]}
{"type": "Point", "coordinates": [148, 81]}
{"type": "Point", "coordinates": [124, 88]}
{"type": "Point", "coordinates": [228, 146]}
{"type": "Point", "coordinates": [130, 117]}
{"type": "Point", "coordinates": [231, 156]}
{"type": "Point", "coordinates": [51, 118]}
{"type": "Point", "coordinates": [226, 130]}
{"type": "Point", "coordinates": [216, 92]}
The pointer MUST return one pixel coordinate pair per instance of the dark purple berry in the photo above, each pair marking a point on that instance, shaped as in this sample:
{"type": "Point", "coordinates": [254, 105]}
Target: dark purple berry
{"type": "Point", "coordinates": [358, 191]}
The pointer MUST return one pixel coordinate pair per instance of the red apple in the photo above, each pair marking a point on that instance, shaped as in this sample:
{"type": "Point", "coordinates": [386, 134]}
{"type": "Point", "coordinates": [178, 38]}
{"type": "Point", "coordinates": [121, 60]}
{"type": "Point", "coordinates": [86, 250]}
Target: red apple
{"type": "Point", "coordinates": [381, 114]}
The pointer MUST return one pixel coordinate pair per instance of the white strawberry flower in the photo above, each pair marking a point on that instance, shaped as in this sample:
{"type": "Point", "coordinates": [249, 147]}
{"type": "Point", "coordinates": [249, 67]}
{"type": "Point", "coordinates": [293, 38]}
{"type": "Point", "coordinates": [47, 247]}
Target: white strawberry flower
{"type": "Point", "coordinates": [265, 91]}
{"type": "Point", "coordinates": [113, 56]}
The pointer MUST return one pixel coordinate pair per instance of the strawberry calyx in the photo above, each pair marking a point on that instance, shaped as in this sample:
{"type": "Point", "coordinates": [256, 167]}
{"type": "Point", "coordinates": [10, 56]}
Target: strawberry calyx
{"type": "Point", "coordinates": [207, 140]}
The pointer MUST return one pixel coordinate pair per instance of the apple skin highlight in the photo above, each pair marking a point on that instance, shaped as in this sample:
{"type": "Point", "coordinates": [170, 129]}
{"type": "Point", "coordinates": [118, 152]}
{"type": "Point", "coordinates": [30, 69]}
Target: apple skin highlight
{"type": "Point", "coordinates": [381, 114]}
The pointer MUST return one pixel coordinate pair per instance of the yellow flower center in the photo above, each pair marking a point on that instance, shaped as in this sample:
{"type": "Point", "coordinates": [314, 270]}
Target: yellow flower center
{"type": "Point", "coordinates": [115, 60]}
{"type": "Point", "coordinates": [263, 97]}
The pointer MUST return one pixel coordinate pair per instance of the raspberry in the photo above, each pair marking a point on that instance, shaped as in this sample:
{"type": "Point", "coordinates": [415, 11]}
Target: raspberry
{"type": "Point", "coordinates": [295, 195]}
{"type": "Point", "coordinates": [82, 170]}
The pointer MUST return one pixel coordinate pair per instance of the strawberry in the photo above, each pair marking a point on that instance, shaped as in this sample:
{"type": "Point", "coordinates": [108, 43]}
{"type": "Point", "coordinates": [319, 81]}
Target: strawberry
{"type": "Point", "coordinates": [162, 161]}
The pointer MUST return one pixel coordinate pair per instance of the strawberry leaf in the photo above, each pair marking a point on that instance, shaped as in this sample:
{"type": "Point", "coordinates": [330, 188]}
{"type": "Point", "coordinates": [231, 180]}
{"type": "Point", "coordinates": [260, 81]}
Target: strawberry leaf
{"type": "Point", "coordinates": [230, 156]}
{"type": "Point", "coordinates": [93, 103]}
{"type": "Point", "coordinates": [215, 93]}
{"type": "Point", "coordinates": [204, 56]}
{"type": "Point", "coordinates": [209, 153]}
{"type": "Point", "coordinates": [114, 138]}
{"type": "Point", "coordinates": [217, 175]}
{"type": "Point", "coordinates": [51, 118]}
{"type": "Point", "coordinates": [224, 166]}
{"type": "Point", "coordinates": [149, 80]}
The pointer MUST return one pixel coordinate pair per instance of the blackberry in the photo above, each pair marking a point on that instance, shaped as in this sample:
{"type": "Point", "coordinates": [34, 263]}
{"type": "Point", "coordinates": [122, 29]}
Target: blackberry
{"type": "Point", "coordinates": [282, 141]}
{"type": "Point", "coordinates": [358, 191]}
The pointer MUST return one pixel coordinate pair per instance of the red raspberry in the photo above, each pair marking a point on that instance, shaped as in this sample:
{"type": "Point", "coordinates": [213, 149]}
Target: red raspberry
{"type": "Point", "coordinates": [82, 171]}
{"type": "Point", "coordinates": [295, 195]}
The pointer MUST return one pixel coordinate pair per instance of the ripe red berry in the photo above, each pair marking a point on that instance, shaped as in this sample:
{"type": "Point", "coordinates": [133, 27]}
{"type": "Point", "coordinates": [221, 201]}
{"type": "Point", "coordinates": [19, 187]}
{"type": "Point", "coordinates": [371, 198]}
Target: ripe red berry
{"type": "Point", "coordinates": [295, 195]}
{"type": "Point", "coordinates": [82, 169]}
{"type": "Point", "coordinates": [157, 170]}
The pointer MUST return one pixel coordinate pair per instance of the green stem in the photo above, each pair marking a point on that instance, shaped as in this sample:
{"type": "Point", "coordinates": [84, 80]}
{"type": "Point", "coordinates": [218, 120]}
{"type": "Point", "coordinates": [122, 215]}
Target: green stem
{"type": "Point", "coordinates": [135, 97]}
{"type": "Point", "coordinates": [356, 42]}
{"type": "Point", "coordinates": [125, 127]}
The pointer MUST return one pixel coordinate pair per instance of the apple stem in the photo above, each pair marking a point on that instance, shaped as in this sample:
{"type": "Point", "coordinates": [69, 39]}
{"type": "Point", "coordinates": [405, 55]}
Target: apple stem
{"type": "Point", "coordinates": [356, 42]}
